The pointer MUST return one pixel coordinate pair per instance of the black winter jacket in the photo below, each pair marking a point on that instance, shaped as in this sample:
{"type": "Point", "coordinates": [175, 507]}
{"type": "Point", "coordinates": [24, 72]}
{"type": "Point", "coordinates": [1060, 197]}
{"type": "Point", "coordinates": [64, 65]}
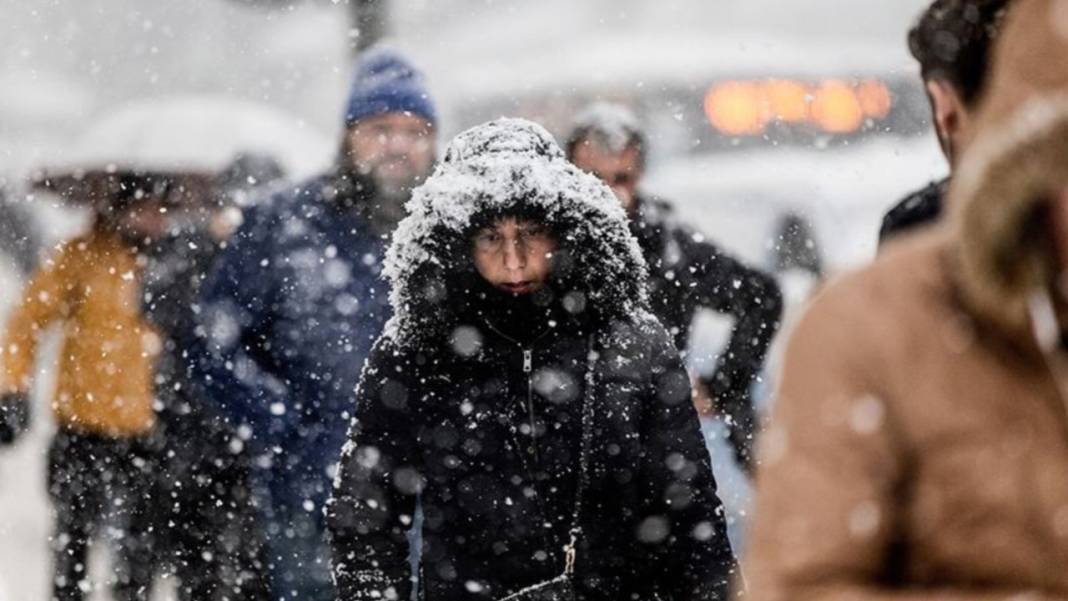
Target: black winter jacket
{"type": "Point", "coordinates": [920, 208]}
{"type": "Point", "coordinates": [474, 406]}
{"type": "Point", "coordinates": [688, 272]}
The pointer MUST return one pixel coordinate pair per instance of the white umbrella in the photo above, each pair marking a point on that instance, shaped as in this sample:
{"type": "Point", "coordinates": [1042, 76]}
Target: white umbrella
{"type": "Point", "coordinates": [194, 134]}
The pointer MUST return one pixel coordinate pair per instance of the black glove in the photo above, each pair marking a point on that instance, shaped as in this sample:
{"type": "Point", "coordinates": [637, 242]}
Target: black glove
{"type": "Point", "coordinates": [733, 403]}
{"type": "Point", "coordinates": [14, 416]}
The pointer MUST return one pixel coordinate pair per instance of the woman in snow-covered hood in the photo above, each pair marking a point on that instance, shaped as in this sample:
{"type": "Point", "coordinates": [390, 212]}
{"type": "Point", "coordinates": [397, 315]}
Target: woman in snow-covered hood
{"type": "Point", "coordinates": [523, 391]}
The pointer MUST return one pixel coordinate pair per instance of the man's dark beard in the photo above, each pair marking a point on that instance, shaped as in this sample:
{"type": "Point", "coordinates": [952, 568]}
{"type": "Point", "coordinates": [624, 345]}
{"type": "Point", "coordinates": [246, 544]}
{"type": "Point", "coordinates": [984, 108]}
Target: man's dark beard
{"type": "Point", "coordinates": [385, 212]}
{"type": "Point", "coordinates": [359, 192]}
{"type": "Point", "coordinates": [391, 198]}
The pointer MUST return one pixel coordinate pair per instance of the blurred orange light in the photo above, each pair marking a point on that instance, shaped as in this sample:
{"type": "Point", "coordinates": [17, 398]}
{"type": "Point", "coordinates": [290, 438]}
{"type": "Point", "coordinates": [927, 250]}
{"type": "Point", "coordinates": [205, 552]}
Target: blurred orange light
{"type": "Point", "coordinates": [788, 100]}
{"type": "Point", "coordinates": [747, 107]}
{"type": "Point", "coordinates": [737, 108]}
{"type": "Point", "coordinates": [874, 99]}
{"type": "Point", "coordinates": [836, 108]}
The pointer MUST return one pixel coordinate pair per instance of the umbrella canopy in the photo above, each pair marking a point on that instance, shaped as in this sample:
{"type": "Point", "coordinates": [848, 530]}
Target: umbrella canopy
{"type": "Point", "coordinates": [183, 141]}
{"type": "Point", "coordinates": [104, 188]}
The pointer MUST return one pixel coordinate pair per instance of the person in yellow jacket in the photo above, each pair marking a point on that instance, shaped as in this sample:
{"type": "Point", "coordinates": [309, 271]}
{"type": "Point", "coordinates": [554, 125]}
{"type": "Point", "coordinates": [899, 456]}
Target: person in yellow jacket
{"type": "Point", "coordinates": [99, 461]}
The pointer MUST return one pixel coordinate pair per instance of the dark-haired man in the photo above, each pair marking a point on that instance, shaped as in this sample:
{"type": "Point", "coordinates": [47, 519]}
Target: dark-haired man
{"type": "Point", "coordinates": [952, 42]}
{"type": "Point", "coordinates": [687, 272]}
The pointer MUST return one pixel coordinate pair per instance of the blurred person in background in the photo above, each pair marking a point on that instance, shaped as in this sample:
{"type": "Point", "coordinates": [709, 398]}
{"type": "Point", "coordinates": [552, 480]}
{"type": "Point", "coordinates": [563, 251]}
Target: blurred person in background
{"type": "Point", "coordinates": [918, 446]}
{"type": "Point", "coordinates": [796, 248]}
{"type": "Point", "coordinates": [100, 469]}
{"type": "Point", "coordinates": [295, 302]}
{"type": "Point", "coordinates": [797, 263]}
{"type": "Point", "coordinates": [688, 272]}
{"type": "Point", "coordinates": [952, 42]}
{"type": "Point", "coordinates": [207, 527]}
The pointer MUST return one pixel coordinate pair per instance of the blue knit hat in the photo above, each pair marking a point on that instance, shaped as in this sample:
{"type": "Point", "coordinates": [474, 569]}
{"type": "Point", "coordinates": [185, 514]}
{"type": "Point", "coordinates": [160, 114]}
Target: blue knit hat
{"type": "Point", "coordinates": [386, 82]}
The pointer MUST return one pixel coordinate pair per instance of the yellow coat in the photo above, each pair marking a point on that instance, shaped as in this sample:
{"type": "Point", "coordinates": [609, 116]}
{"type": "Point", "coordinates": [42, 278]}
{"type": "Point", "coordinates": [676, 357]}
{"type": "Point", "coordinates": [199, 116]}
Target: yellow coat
{"type": "Point", "coordinates": [92, 287]}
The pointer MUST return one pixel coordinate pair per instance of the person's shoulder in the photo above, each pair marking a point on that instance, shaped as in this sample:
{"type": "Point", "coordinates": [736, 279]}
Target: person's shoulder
{"type": "Point", "coordinates": [77, 244]}
{"type": "Point", "coordinates": [901, 290]}
{"type": "Point", "coordinates": [922, 201]}
{"type": "Point", "coordinates": [393, 366]}
{"type": "Point", "coordinates": [392, 354]}
{"type": "Point", "coordinates": [281, 210]}
{"type": "Point", "coordinates": [638, 336]}
{"type": "Point", "coordinates": [914, 267]}
{"type": "Point", "coordinates": [676, 234]}
{"type": "Point", "coordinates": [386, 346]}
{"type": "Point", "coordinates": [288, 199]}
{"type": "Point", "coordinates": [656, 206]}
{"type": "Point", "coordinates": [919, 208]}
{"type": "Point", "coordinates": [660, 213]}
{"type": "Point", "coordinates": [683, 232]}
{"type": "Point", "coordinates": [650, 327]}
{"type": "Point", "coordinates": [68, 253]}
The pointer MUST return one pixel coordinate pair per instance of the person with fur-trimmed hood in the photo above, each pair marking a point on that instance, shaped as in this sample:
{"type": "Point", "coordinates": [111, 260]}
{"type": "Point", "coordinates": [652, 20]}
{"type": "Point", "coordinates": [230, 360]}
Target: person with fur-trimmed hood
{"type": "Point", "coordinates": [919, 447]}
{"type": "Point", "coordinates": [524, 392]}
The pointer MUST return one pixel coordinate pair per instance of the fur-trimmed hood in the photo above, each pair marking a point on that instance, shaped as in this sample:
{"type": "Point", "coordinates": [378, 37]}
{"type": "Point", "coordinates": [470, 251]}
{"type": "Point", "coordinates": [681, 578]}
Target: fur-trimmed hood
{"type": "Point", "coordinates": [1018, 159]}
{"type": "Point", "coordinates": [510, 166]}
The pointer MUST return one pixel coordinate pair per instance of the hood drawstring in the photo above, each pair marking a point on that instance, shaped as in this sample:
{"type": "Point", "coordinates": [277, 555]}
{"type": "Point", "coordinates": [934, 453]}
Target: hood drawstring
{"type": "Point", "coordinates": [1046, 330]}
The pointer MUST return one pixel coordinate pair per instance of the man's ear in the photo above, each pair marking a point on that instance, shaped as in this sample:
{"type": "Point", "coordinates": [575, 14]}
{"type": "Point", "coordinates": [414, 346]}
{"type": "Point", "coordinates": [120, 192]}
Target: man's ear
{"type": "Point", "coordinates": [950, 115]}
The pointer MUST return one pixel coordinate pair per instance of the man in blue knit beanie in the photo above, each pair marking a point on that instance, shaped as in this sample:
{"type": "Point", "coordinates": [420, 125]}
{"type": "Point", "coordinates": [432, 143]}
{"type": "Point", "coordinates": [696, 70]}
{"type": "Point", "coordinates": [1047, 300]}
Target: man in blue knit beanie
{"type": "Point", "coordinates": [295, 302]}
{"type": "Point", "coordinates": [391, 125]}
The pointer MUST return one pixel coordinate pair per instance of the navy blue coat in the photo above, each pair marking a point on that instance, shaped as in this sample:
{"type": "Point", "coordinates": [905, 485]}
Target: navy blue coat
{"type": "Point", "coordinates": [920, 208]}
{"type": "Point", "coordinates": [289, 316]}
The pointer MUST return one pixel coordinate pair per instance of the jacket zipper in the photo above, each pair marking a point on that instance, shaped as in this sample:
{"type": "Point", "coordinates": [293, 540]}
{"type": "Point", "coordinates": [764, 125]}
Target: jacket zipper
{"type": "Point", "coordinates": [528, 371]}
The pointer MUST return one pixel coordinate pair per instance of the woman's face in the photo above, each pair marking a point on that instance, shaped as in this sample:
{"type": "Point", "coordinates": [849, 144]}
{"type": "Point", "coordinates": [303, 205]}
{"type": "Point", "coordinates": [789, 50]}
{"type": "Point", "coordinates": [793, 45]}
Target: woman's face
{"type": "Point", "coordinates": [514, 255]}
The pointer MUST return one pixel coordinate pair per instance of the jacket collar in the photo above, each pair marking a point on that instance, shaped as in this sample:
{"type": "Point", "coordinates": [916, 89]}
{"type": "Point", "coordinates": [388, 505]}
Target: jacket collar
{"type": "Point", "coordinates": [650, 223]}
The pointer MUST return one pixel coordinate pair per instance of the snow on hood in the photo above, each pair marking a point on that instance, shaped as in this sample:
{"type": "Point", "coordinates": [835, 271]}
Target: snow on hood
{"type": "Point", "coordinates": [510, 166]}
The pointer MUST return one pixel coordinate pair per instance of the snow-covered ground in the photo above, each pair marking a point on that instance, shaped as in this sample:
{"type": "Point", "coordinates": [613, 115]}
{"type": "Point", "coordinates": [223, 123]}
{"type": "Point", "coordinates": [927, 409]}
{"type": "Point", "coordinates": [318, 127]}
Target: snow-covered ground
{"type": "Point", "coordinates": [25, 520]}
{"type": "Point", "coordinates": [21, 492]}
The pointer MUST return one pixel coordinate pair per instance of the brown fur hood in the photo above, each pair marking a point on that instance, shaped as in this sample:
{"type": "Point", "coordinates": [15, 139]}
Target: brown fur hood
{"type": "Point", "coordinates": [1016, 162]}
